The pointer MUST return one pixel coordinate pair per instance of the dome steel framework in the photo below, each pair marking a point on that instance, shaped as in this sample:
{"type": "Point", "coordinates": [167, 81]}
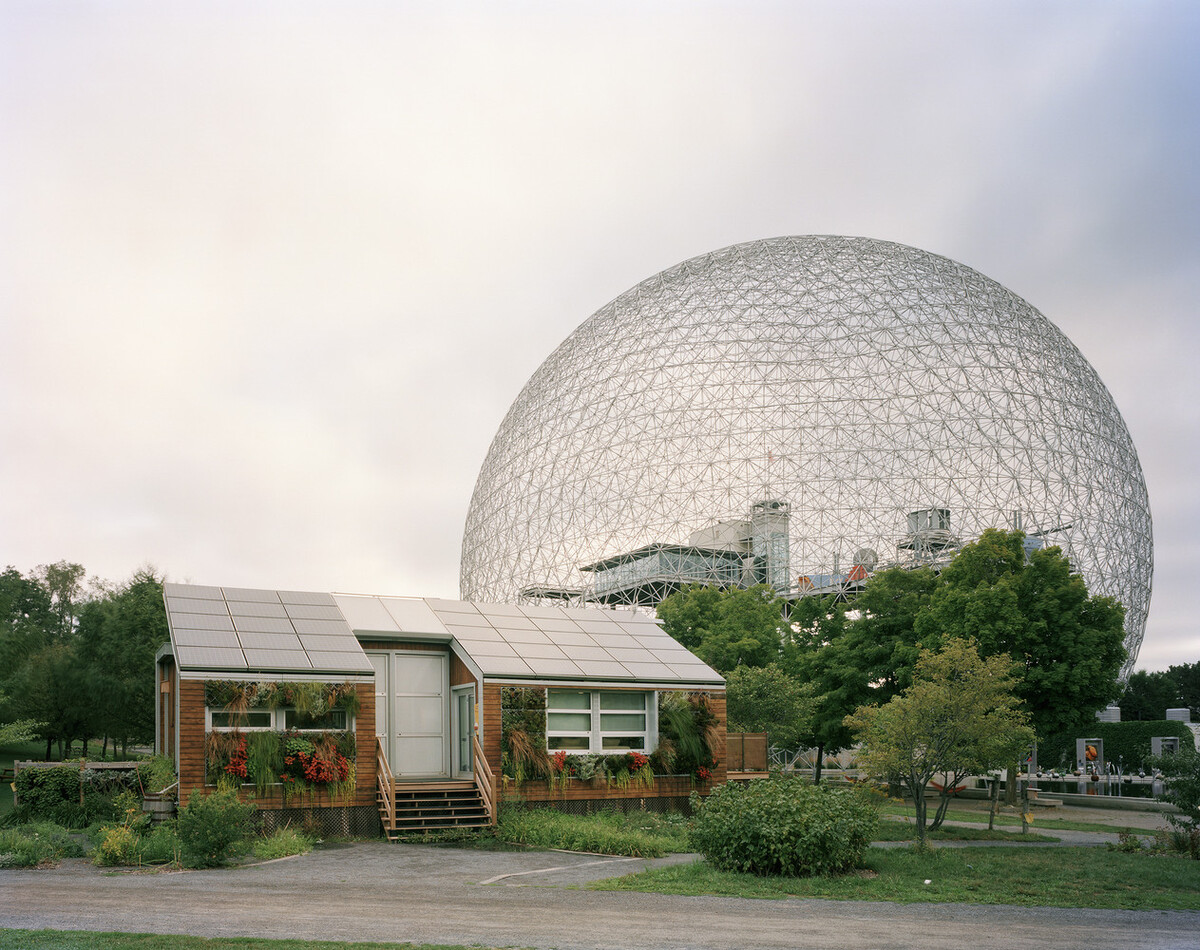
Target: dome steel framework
{"type": "Point", "coordinates": [883, 402]}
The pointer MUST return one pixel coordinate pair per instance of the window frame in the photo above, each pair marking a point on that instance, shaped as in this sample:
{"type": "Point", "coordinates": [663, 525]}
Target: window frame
{"type": "Point", "coordinates": [596, 733]}
{"type": "Point", "coordinates": [278, 721]}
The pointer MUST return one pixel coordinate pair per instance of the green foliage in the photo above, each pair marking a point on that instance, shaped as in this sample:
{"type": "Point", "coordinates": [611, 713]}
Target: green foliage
{"type": "Point", "coordinates": [156, 773]}
{"type": "Point", "coordinates": [311, 699]}
{"type": "Point", "coordinates": [1068, 645]}
{"type": "Point", "coordinates": [264, 759]}
{"type": "Point", "coordinates": [688, 727]}
{"type": "Point", "coordinates": [523, 733]}
{"type": "Point", "coordinates": [211, 826]}
{"type": "Point", "coordinates": [36, 844]}
{"type": "Point", "coordinates": [607, 832]}
{"type": "Point", "coordinates": [726, 628]}
{"type": "Point", "coordinates": [767, 699]}
{"type": "Point", "coordinates": [958, 717]}
{"type": "Point", "coordinates": [119, 635]}
{"type": "Point", "coordinates": [282, 844]}
{"type": "Point", "coordinates": [783, 826]}
{"type": "Point", "coordinates": [1124, 742]}
{"type": "Point", "coordinates": [1181, 770]}
{"type": "Point", "coordinates": [69, 795]}
{"type": "Point", "coordinates": [1149, 695]}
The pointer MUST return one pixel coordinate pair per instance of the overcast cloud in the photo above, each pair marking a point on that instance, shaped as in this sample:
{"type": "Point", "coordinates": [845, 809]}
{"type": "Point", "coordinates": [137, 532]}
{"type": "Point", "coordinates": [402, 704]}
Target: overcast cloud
{"type": "Point", "coordinates": [271, 273]}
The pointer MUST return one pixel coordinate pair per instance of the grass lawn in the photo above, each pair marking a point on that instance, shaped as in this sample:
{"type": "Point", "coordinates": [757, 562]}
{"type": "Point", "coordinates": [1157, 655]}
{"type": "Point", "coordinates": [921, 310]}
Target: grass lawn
{"type": "Point", "coordinates": [1033, 877]}
{"type": "Point", "coordinates": [83, 940]}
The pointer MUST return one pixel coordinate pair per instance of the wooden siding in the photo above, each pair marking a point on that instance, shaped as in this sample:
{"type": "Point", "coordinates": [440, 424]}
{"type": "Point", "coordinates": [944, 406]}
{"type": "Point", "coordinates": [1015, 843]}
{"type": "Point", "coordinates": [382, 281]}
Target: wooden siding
{"type": "Point", "coordinates": [192, 740]}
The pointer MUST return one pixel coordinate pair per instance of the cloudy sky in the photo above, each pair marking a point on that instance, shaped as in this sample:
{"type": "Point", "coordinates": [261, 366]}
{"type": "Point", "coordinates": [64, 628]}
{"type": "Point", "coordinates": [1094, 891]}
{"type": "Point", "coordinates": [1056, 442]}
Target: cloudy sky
{"type": "Point", "coordinates": [271, 273]}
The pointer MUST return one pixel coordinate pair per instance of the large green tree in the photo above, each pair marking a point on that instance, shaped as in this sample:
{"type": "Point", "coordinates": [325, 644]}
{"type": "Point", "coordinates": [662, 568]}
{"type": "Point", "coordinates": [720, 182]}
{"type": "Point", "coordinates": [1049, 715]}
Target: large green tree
{"type": "Point", "coordinates": [726, 628]}
{"type": "Point", "coordinates": [957, 717]}
{"type": "Point", "coordinates": [119, 634]}
{"type": "Point", "coordinates": [768, 699]}
{"type": "Point", "coordinates": [1066, 644]}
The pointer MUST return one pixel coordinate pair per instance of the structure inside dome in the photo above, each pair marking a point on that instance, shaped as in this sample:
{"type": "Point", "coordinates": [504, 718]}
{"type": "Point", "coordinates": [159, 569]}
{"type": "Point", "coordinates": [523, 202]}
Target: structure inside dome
{"type": "Point", "coordinates": [803, 411]}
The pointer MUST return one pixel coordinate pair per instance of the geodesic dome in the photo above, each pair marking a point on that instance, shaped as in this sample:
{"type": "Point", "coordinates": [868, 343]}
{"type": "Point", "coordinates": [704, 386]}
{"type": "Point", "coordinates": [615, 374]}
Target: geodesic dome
{"type": "Point", "coordinates": [893, 401]}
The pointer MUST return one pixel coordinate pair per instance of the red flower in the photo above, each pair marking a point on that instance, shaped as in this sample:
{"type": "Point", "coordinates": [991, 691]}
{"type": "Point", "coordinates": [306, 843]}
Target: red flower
{"type": "Point", "coordinates": [703, 773]}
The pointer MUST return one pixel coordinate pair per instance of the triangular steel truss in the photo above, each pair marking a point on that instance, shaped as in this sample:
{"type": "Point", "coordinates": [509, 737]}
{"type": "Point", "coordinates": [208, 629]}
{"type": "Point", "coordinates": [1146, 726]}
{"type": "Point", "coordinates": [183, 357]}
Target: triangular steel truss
{"type": "Point", "coordinates": [857, 380]}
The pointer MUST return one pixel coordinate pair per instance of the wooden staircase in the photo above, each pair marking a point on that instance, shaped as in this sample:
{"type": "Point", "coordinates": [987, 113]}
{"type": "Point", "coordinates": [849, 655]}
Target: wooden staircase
{"type": "Point", "coordinates": [408, 808]}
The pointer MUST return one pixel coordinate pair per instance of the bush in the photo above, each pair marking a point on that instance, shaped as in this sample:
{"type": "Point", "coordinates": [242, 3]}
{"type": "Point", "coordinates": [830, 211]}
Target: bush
{"type": "Point", "coordinates": [211, 826]}
{"type": "Point", "coordinates": [69, 795]}
{"type": "Point", "coordinates": [156, 772]}
{"type": "Point", "coordinates": [783, 826]}
{"type": "Point", "coordinates": [36, 844]}
{"type": "Point", "coordinates": [161, 845]}
{"type": "Point", "coordinates": [282, 844]}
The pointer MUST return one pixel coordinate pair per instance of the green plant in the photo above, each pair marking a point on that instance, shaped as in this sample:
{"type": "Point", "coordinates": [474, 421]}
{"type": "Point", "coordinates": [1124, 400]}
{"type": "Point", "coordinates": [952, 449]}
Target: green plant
{"type": "Point", "coordinates": [606, 832]}
{"type": "Point", "coordinates": [689, 728]}
{"type": "Point", "coordinates": [161, 846]}
{"type": "Point", "coordinates": [210, 826]}
{"type": "Point", "coordinates": [264, 759]}
{"type": "Point", "coordinates": [157, 773]}
{"type": "Point", "coordinates": [281, 844]}
{"type": "Point", "coordinates": [36, 844]}
{"type": "Point", "coordinates": [780, 826]}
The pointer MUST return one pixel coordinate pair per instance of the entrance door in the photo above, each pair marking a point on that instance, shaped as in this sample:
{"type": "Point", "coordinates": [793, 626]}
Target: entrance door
{"type": "Point", "coordinates": [411, 712]}
{"type": "Point", "coordinates": [464, 731]}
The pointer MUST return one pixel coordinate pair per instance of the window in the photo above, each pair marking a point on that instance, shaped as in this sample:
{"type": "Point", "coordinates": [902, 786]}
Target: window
{"type": "Point", "coordinates": [611, 721]}
{"type": "Point", "coordinates": [264, 719]}
{"type": "Point", "coordinates": [334, 720]}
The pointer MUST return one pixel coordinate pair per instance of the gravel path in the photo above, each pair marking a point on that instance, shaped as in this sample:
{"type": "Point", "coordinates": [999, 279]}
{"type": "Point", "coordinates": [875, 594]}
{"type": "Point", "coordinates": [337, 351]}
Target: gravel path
{"type": "Point", "coordinates": [381, 891]}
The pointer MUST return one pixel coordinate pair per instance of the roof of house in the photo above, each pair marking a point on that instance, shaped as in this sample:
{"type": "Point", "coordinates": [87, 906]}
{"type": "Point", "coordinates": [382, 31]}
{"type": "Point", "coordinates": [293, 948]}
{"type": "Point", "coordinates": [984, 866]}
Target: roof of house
{"type": "Point", "coordinates": [239, 630]}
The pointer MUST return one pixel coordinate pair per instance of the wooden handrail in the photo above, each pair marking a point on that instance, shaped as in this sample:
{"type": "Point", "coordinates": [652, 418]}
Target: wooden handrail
{"type": "Point", "coordinates": [383, 779]}
{"type": "Point", "coordinates": [483, 779]}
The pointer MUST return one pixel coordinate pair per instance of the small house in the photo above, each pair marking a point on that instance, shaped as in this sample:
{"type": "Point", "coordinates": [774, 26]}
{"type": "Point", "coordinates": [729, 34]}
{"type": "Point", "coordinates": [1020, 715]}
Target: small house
{"type": "Point", "coordinates": [421, 713]}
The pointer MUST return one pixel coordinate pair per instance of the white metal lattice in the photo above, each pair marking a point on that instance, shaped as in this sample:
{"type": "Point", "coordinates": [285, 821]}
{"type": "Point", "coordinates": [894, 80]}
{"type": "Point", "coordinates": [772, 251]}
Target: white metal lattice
{"type": "Point", "coordinates": [856, 380]}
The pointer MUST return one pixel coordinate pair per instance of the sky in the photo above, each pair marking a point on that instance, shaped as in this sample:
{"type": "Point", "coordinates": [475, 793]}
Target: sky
{"type": "Point", "coordinates": [271, 273]}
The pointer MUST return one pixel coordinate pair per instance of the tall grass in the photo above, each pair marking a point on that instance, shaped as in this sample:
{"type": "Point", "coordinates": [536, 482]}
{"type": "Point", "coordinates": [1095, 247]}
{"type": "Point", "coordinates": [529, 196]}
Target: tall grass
{"type": "Point", "coordinates": [639, 834]}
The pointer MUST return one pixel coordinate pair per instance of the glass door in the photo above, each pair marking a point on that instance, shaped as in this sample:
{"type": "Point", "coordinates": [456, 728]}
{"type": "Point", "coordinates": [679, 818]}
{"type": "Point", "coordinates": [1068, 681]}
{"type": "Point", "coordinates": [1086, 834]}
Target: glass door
{"type": "Point", "coordinates": [464, 727]}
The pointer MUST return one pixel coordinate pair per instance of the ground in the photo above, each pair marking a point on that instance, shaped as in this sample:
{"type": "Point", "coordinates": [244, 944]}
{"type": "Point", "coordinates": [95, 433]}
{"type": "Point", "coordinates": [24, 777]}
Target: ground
{"type": "Point", "coordinates": [400, 892]}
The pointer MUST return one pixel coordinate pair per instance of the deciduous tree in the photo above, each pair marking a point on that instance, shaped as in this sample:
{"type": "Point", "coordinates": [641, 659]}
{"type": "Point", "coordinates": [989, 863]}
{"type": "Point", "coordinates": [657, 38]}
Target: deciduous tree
{"type": "Point", "coordinates": [959, 716]}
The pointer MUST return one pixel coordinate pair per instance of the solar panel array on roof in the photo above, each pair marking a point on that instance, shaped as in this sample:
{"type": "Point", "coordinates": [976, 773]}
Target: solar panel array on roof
{"type": "Point", "coordinates": [507, 640]}
{"type": "Point", "coordinates": [234, 629]}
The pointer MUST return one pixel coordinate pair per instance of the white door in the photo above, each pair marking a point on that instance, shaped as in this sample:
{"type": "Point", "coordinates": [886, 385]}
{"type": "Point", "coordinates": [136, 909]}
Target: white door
{"type": "Point", "coordinates": [419, 746]}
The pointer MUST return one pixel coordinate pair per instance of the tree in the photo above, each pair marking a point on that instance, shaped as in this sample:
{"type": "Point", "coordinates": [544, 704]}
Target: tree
{"type": "Point", "coordinates": [861, 653]}
{"type": "Point", "coordinates": [959, 716]}
{"type": "Point", "coordinates": [726, 628]}
{"type": "Point", "coordinates": [119, 635]}
{"type": "Point", "coordinates": [1187, 679]}
{"type": "Point", "coordinates": [1067, 645]}
{"type": "Point", "coordinates": [766, 699]}
{"type": "Point", "coordinates": [1148, 696]}
{"type": "Point", "coordinates": [63, 581]}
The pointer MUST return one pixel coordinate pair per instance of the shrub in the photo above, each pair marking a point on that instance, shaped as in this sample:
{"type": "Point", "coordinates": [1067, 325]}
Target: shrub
{"type": "Point", "coordinates": [157, 772]}
{"type": "Point", "coordinates": [605, 832]}
{"type": "Point", "coordinates": [161, 845]}
{"type": "Point", "coordinates": [119, 845]}
{"type": "Point", "coordinates": [211, 826]}
{"type": "Point", "coordinates": [783, 826]}
{"type": "Point", "coordinates": [36, 844]}
{"type": "Point", "coordinates": [283, 843]}
{"type": "Point", "coordinates": [69, 795]}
